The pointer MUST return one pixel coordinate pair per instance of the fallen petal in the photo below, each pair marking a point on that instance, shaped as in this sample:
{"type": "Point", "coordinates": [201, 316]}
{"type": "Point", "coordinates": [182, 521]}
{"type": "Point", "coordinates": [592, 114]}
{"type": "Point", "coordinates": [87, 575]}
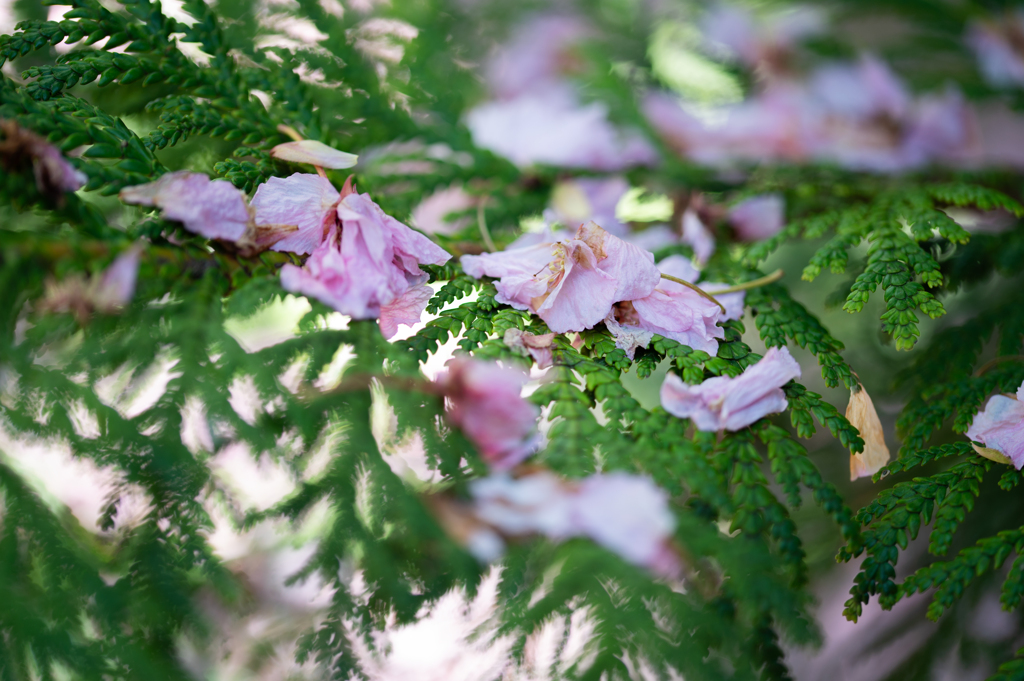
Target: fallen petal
{"type": "Point", "coordinates": [314, 153]}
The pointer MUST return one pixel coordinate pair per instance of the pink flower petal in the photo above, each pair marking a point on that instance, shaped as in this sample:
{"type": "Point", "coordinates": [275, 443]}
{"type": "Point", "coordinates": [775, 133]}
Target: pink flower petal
{"type": "Point", "coordinates": [485, 401]}
{"type": "Point", "coordinates": [315, 153]}
{"type": "Point", "coordinates": [1000, 426]}
{"type": "Point", "coordinates": [724, 403]}
{"type": "Point", "coordinates": [214, 209]}
{"type": "Point", "coordinates": [301, 199]}
{"type": "Point", "coordinates": [406, 309]}
{"type": "Point", "coordinates": [365, 263]}
{"type": "Point", "coordinates": [117, 285]}
{"type": "Point", "coordinates": [684, 316]}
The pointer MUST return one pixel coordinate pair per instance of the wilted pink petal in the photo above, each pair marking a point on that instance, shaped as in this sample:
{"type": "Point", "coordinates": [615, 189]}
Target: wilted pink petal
{"type": "Point", "coordinates": [627, 337]}
{"type": "Point", "coordinates": [315, 153]}
{"type": "Point", "coordinates": [302, 199]}
{"type": "Point", "coordinates": [485, 402]}
{"type": "Point", "coordinates": [214, 209]}
{"type": "Point", "coordinates": [54, 175]}
{"type": "Point", "coordinates": [1000, 426]}
{"type": "Point", "coordinates": [364, 263]}
{"type": "Point", "coordinates": [570, 284]}
{"type": "Point", "coordinates": [679, 266]}
{"type": "Point", "coordinates": [517, 272]}
{"type": "Point", "coordinates": [406, 309]}
{"type": "Point", "coordinates": [758, 217]}
{"type": "Point", "coordinates": [998, 50]}
{"type": "Point", "coordinates": [575, 202]}
{"type": "Point", "coordinates": [434, 214]}
{"type": "Point", "coordinates": [116, 286]}
{"type": "Point", "coordinates": [627, 514]}
{"type": "Point", "coordinates": [732, 302]}
{"type": "Point", "coordinates": [538, 346]}
{"type": "Point", "coordinates": [698, 237]}
{"type": "Point", "coordinates": [724, 403]}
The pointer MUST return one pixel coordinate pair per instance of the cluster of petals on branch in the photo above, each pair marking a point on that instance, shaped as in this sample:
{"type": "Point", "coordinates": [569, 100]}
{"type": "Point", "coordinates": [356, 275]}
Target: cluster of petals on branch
{"type": "Point", "coordinates": [727, 403]}
{"type": "Point", "coordinates": [1000, 428]}
{"type": "Point", "coordinates": [627, 514]}
{"type": "Point", "coordinates": [576, 283]}
{"type": "Point", "coordinates": [362, 262]}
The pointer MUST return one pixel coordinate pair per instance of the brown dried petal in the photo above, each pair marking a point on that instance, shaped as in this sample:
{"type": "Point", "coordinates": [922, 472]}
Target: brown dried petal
{"type": "Point", "coordinates": [861, 413]}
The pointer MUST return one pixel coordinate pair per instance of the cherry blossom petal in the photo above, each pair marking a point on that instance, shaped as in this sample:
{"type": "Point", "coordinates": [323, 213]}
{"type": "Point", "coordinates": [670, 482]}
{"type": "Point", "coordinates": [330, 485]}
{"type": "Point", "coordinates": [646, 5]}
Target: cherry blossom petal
{"type": "Point", "coordinates": [683, 315]}
{"type": "Point", "coordinates": [301, 199]}
{"type": "Point", "coordinates": [485, 401]}
{"type": "Point", "coordinates": [214, 209]}
{"type": "Point", "coordinates": [517, 271]}
{"type": "Point", "coordinates": [117, 284]}
{"type": "Point", "coordinates": [406, 309]}
{"type": "Point", "coordinates": [1000, 426]}
{"type": "Point", "coordinates": [724, 403]}
{"type": "Point", "coordinates": [315, 153]}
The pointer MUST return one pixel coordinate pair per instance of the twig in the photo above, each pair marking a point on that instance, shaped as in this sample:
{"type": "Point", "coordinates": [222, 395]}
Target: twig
{"type": "Point", "coordinates": [767, 279]}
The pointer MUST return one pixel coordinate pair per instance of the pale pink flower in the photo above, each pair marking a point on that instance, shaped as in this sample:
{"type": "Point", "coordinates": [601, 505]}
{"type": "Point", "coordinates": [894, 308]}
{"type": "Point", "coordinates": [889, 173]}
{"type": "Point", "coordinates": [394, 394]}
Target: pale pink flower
{"type": "Point", "coordinates": [758, 217]}
{"type": "Point", "coordinates": [1000, 426]}
{"type": "Point", "coordinates": [303, 199]}
{"type": "Point", "coordinates": [434, 214]}
{"type": "Point", "coordinates": [314, 153]}
{"type": "Point", "coordinates": [627, 514]}
{"type": "Point", "coordinates": [366, 262]}
{"type": "Point", "coordinates": [590, 199]}
{"type": "Point", "coordinates": [552, 127]}
{"type": "Point", "coordinates": [724, 403]}
{"type": "Point", "coordinates": [997, 46]}
{"type": "Point", "coordinates": [571, 284]}
{"type": "Point", "coordinates": [215, 209]}
{"type": "Point", "coordinates": [671, 310]}
{"type": "Point", "coordinates": [485, 401]}
{"type": "Point", "coordinates": [537, 346]}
